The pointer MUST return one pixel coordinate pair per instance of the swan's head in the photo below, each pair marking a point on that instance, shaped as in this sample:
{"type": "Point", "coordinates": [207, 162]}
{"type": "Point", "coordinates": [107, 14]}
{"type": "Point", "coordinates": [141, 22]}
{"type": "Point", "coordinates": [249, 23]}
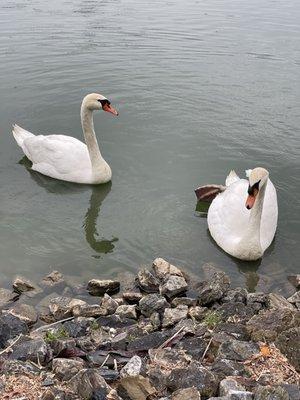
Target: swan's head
{"type": "Point", "coordinates": [95, 101]}
{"type": "Point", "coordinates": [257, 179]}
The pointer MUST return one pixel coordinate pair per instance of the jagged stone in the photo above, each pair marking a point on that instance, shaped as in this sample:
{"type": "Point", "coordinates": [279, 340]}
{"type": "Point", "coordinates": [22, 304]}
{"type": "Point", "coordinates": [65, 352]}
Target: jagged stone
{"type": "Point", "coordinates": [295, 280]}
{"type": "Point", "coordinates": [152, 302]}
{"type": "Point", "coordinates": [127, 311]}
{"type": "Point", "coordinates": [236, 312]}
{"type": "Point", "coordinates": [173, 286]}
{"type": "Point", "coordinates": [163, 269]}
{"type": "Point", "coordinates": [18, 367]}
{"type": "Point", "coordinates": [132, 368]}
{"type": "Point", "coordinates": [97, 287]}
{"type": "Point", "coordinates": [136, 387]}
{"type": "Point", "coordinates": [224, 368]}
{"type": "Point", "coordinates": [10, 327]}
{"type": "Point", "coordinates": [229, 385]}
{"type": "Point", "coordinates": [276, 301]}
{"type": "Point", "coordinates": [132, 297]}
{"type": "Point", "coordinates": [35, 350]}
{"type": "Point", "coordinates": [78, 326]}
{"type": "Point", "coordinates": [21, 285]}
{"type": "Point", "coordinates": [88, 310]}
{"type": "Point", "coordinates": [88, 381]}
{"type": "Point", "coordinates": [295, 299]}
{"type": "Point", "coordinates": [174, 315]}
{"type": "Point", "coordinates": [147, 281]}
{"type": "Point", "coordinates": [53, 279]}
{"type": "Point", "coordinates": [184, 301]}
{"type": "Point", "coordinates": [62, 307]}
{"type": "Point", "coordinates": [198, 313]}
{"type": "Point", "coordinates": [65, 368]}
{"type": "Point", "coordinates": [24, 312]}
{"type": "Point", "coordinates": [108, 305]}
{"type": "Point", "coordinates": [7, 297]}
{"type": "Point", "coordinates": [237, 350]}
{"type": "Point", "coordinates": [214, 288]}
{"type": "Point", "coordinates": [236, 295]}
{"type": "Point", "coordinates": [270, 393]}
{"type": "Point", "coordinates": [186, 394]}
{"type": "Point", "coordinates": [288, 343]}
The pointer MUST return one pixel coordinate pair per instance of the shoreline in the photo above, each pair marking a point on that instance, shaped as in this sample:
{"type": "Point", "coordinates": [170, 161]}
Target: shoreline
{"type": "Point", "coordinates": [161, 336]}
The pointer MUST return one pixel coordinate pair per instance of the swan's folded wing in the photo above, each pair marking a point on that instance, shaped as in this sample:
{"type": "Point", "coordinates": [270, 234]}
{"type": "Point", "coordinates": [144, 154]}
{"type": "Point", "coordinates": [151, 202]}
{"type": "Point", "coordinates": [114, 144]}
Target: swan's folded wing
{"type": "Point", "coordinates": [208, 192]}
{"type": "Point", "coordinates": [231, 178]}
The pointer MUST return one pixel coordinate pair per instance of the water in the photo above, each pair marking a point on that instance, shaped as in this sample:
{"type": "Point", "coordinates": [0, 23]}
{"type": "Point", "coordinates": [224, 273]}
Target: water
{"type": "Point", "coordinates": [202, 87]}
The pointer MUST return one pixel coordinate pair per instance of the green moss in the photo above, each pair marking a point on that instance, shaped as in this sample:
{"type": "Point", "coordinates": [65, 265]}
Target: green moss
{"type": "Point", "coordinates": [94, 326]}
{"type": "Point", "coordinates": [50, 336]}
{"type": "Point", "coordinates": [212, 319]}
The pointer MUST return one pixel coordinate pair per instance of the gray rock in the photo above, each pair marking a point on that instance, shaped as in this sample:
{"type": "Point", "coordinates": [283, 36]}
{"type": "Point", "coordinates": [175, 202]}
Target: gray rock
{"type": "Point", "coordinates": [127, 311]}
{"type": "Point", "coordinates": [151, 303]}
{"type": "Point", "coordinates": [97, 287]}
{"type": "Point", "coordinates": [88, 310]}
{"type": "Point", "coordinates": [193, 346]}
{"type": "Point", "coordinates": [147, 281]}
{"type": "Point", "coordinates": [136, 388]}
{"type": "Point", "coordinates": [292, 390]}
{"type": "Point", "coordinates": [132, 296]}
{"type": "Point", "coordinates": [270, 393]}
{"type": "Point", "coordinates": [163, 269]}
{"type": "Point", "coordinates": [7, 297]}
{"type": "Point", "coordinates": [295, 299]}
{"type": "Point", "coordinates": [24, 312]}
{"type": "Point", "coordinates": [229, 385]}
{"type": "Point", "coordinates": [193, 375]}
{"type": "Point", "coordinates": [174, 315]}
{"type": "Point", "coordinates": [237, 350]}
{"type": "Point", "coordinates": [295, 280]}
{"type": "Point", "coordinates": [268, 324]}
{"type": "Point", "coordinates": [148, 341]}
{"type": "Point", "coordinates": [184, 301]}
{"type": "Point", "coordinates": [236, 295]}
{"type": "Point", "coordinates": [257, 297]}
{"type": "Point", "coordinates": [132, 368]}
{"type": "Point", "coordinates": [60, 346]}
{"type": "Point", "coordinates": [288, 342]}
{"type": "Point", "coordinates": [10, 327]}
{"type": "Point", "coordinates": [21, 285]}
{"type": "Point", "coordinates": [155, 320]}
{"type": "Point", "coordinates": [173, 286]}
{"type": "Point", "coordinates": [65, 368]}
{"type": "Point", "coordinates": [88, 381]}
{"type": "Point", "coordinates": [55, 278]}
{"type": "Point", "coordinates": [78, 326]}
{"type": "Point", "coordinates": [224, 368]}
{"type": "Point", "coordinates": [115, 321]}
{"type": "Point", "coordinates": [236, 311]}
{"type": "Point", "coordinates": [276, 301]}
{"type": "Point", "coordinates": [108, 305]}
{"type": "Point", "coordinates": [240, 395]}
{"type": "Point", "coordinates": [214, 288]}
{"type": "Point", "coordinates": [62, 307]}
{"type": "Point", "coordinates": [18, 367]}
{"type": "Point", "coordinates": [233, 330]}
{"type": "Point", "coordinates": [35, 350]}
{"type": "Point", "coordinates": [186, 394]}
{"type": "Point", "coordinates": [198, 313]}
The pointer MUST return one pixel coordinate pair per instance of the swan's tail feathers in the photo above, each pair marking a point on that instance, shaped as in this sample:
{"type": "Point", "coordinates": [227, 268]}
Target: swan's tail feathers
{"type": "Point", "coordinates": [20, 134]}
{"type": "Point", "coordinates": [209, 192]}
{"type": "Point", "coordinates": [231, 178]}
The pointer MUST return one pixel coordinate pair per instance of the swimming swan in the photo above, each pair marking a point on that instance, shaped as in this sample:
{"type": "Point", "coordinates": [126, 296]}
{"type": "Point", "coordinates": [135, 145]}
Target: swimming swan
{"type": "Point", "coordinates": [242, 233]}
{"type": "Point", "coordinates": [64, 157]}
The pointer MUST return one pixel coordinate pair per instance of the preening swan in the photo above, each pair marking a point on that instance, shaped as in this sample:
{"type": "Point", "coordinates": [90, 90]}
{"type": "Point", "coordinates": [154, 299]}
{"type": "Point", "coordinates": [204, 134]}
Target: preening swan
{"type": "Point", "coordinates": [64, 157]}
{"type": "Point", "coordinates": [242, 218]}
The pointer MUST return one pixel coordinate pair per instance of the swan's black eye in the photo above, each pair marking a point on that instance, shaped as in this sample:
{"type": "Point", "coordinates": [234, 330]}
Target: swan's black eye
{"type": "Point", "coordinates": [251, 188]}
{"type": "Point", "coordinates": [103, 102]}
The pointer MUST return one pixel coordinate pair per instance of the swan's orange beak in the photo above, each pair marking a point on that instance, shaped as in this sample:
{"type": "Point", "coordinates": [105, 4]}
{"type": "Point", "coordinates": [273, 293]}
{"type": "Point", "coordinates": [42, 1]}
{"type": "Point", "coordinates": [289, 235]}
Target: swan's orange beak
{"type": "Point", "coordinates": [108, 108]}
{"type": "Point", "coordinates": [251, 199]}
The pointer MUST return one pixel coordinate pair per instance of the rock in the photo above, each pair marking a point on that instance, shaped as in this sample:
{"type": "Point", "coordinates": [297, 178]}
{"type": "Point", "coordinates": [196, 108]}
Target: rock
{"type": "Point", "coordinates": [193, 375]}
{"type": "Point", "coordinates": [48, 395]}
{"type": "Point", "coordinates": [53, 279]}
{"type": "Point", "coordinates": [186, 394]}
{"type": "Point", "coordinates": [136, 387]}
{"type": "Point", "coordinates": [193, 346]}
{"type": "Point", "coordinates": [174, 315]}
{"type": "Point", "coordinates": [148, 341]}
{"type": "Point", "coordinates": [288, 342]}
{"type": "Point", "coordinates": [198, 313]}
{"type": "Point", "coordinates": [226, 368]}
{"type": "Point", "coordinates": [97, 287]}
{"type": "Point", "coordinates": [132, 297]}
{"type": "Point", "coordinates": [295, 299]}
{"type": "Point", "coordinates": [147, 281]}
{"type": "Point", "coordinates": [78, 326]}
{"type": "Point", "coordinates": [132, 368]}
{"type": "Point", "coordinates": [232, 312]}
{"type": "Point", "coordinates": [234, 330]}
{"type": "Point", "coordinates": [35, 350]}
{"type": "Point", "coordinates": [65, 368]}
{"type": "Point", "coordinates": [155, 320]}
{"type": "Point", "coordinates": [295, 280]}
{"type": "Point", "coordinates": [292, 390]}
{"type": "Point", "coordinates": [257, 297]}
{"type": "Point", "coordinates": [276, 301]}
{"type": "Point", "coordinates": [236, 295]}
{"type": "Point", "coordinates": [163, 269]}
{"type": "Point", "coordinates": [127, 311]}
{"type": "Point", "coordinates": [268, 324]}
{"type": "Point", "coordinates": [88, 381]}
{"type": "Point", "coordinates": [62, 307]}
{"type": "Point", "coordinates": [241, 395]}
{"type": "Point", "coordinates": [108, 305]}
{"type": "Point", "coordinates": [228, 385]}
{"type": "Point", "coordinates": [214, 288]}
{"type": "Point", "coordinates": [10, 327]}
{"type": "Point", "coordinates": [270, 393]}
{"type": "Point", "coordinates": [18, 367]}
{"type": "Point", "coordinates": [151, 303]}
{"type": "Point", "coordinates": [237, 350]}
{"type": "Point", "coordinates": [88, 310]}
{"type": "Point", "coordinates": [60, 346]}
{"type": "Point", "coordinates": [25, 313]}
{"type": "Point", "coordinates": [115, 321]}
{"type": "Point", "coordinates": [173, 286]}
{"type": "Point", "coordinates": [22, 285]}
{"type": "Point", "coordinates": [184, 301]}
{"type": "Point", "coordinates": [7, 296]}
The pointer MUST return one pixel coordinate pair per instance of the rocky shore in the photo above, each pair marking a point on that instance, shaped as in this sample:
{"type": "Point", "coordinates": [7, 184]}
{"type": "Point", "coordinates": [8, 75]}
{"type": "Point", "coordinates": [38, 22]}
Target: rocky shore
{"type": "Point", "coordinates": [163, 336]}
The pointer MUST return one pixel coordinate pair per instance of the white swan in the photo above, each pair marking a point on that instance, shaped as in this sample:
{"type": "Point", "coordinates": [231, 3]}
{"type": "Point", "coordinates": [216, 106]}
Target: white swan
{"type": "Point", "coordinates": [64, 157]}
{"type": "Point", "coordinates": [242, 233]}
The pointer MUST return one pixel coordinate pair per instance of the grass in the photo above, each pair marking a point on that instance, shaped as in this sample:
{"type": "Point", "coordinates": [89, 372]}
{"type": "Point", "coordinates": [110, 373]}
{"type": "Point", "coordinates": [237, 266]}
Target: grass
{"type": "Point", "coordinates": [212, 319]}
{"type": "Point", "coordinates": [50, 336]}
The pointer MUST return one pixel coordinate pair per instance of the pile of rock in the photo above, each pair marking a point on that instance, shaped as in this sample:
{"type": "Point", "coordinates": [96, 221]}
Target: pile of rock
{"type": "Point", "coordinates": [163, 338]}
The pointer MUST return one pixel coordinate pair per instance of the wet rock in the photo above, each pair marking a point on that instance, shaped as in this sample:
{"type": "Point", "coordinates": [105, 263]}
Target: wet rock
{"type": "Point", "coordinates": [55, 278]}
{"type": "Point", "coordinates": [65, 368]}
{"type": "Point", "coordinates": [127, 311]}
{"type": "Point", "coordinates": [163, 269]}
{"type": "Point", "coordinates": [276, 301]}
{"type": "Point", "coordinates": [186, 394]}
{"type": "Point", "coordinates": [78, 326]}
{"type": "Point", "coordinates": [288, 342]}
{"type": "Point", "coordinates": [62, 307]}
{"type": "Point", "coordinates": [193, 375]}
{"type": "Point", "coordinates": [18, 367]}
{"type": "Point", "coordinates": [236, 312]}
{"type": "Point", "coordinates": [88, 381]}
{"type": "Point", "coordinates": [174, 315]}
{"type": "Point", "coordinates": [295, 280]}
{"type": "Point", "coordinates": [198, 313]}
{"type": "Point", "coordinates": [270, 393]}
{"type": "Point", "coordinates": [22, 285]}
{"type": "Point", "coordinates": [268, 324]}
{"type": "Point", "coordinates": [132, 368]}
{"type": "Point", "coordinates": [97, 287]}
{"type": "Point", "coordinates": [237, 350]}
{"type": "Point", "coordinates": [214, 288]}
{"type": "Point", "coordinates": [184, 301]}
{"type": "Point", "coordinates": [151, 303]}
{"type": "Point", "coordinates": [132, 297]}
{"type": "Point", "coordinates": [108, 305]}
{"type": "Point", "coordinates": [35, 350]}
{"type": "Point", "coordinates": [147, 341]}
{"type": "Point", "coordinates": [226, 368]}
{"type": "Point", "coordinates": [236, 295]}
{"type": "Point", "coordinates": [295, 299]}
{"type": "Point", "coordinates": [88, 310]}
{"type": "Point", "coordinates": [115, 321]}
{"type": "Point", "coordinates": [228, 385]}
{"type": "Point", "coordinates": [173, 286]}
{"type": "Point", "coordinates": [10, 327]}
{"type": "Point", "coordinates": [7, 296]}
{"type": "Point", "coordinates": [147, 281]}
{"type": "Point", "coordinates": [136, 388]}
{"type": "Point", "coordinates": [25, 313]}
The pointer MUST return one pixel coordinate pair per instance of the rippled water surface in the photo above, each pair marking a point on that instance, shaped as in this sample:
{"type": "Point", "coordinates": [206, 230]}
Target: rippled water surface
{"type": "Point", "coordinates": [202, 87]}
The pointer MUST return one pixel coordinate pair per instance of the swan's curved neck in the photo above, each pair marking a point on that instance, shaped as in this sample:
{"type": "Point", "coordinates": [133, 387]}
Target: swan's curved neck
{"type": "Point", "coordinates": [90, 138]}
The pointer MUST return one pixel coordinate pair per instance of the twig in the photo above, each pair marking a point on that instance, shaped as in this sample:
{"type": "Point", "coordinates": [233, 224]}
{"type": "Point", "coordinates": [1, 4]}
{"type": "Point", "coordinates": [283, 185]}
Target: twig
{"type": "Point", "coordinates": [52, 324]}
{"type": "Point", "coordinates": [115, 365]}
{"type": "Point", "coordinates": [170, 339]}
{"type": "Point", "coordinates": [106, 358]}
{"type": "Point", "coordinates": [207, 347]}
{"type": "Point", "coordinates": [11, 345]}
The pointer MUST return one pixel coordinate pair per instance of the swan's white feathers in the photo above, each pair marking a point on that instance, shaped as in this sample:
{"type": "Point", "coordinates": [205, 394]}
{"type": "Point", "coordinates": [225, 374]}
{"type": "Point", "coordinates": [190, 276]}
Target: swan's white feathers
{"type": "Point", "coordinates": [231, 177]}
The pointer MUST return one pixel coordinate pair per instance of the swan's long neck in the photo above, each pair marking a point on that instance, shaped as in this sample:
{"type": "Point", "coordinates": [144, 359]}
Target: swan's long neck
{"type": "Point", "coordinates": [251, 239]}
{"type": "Point", "coordinates": [90, 138]}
